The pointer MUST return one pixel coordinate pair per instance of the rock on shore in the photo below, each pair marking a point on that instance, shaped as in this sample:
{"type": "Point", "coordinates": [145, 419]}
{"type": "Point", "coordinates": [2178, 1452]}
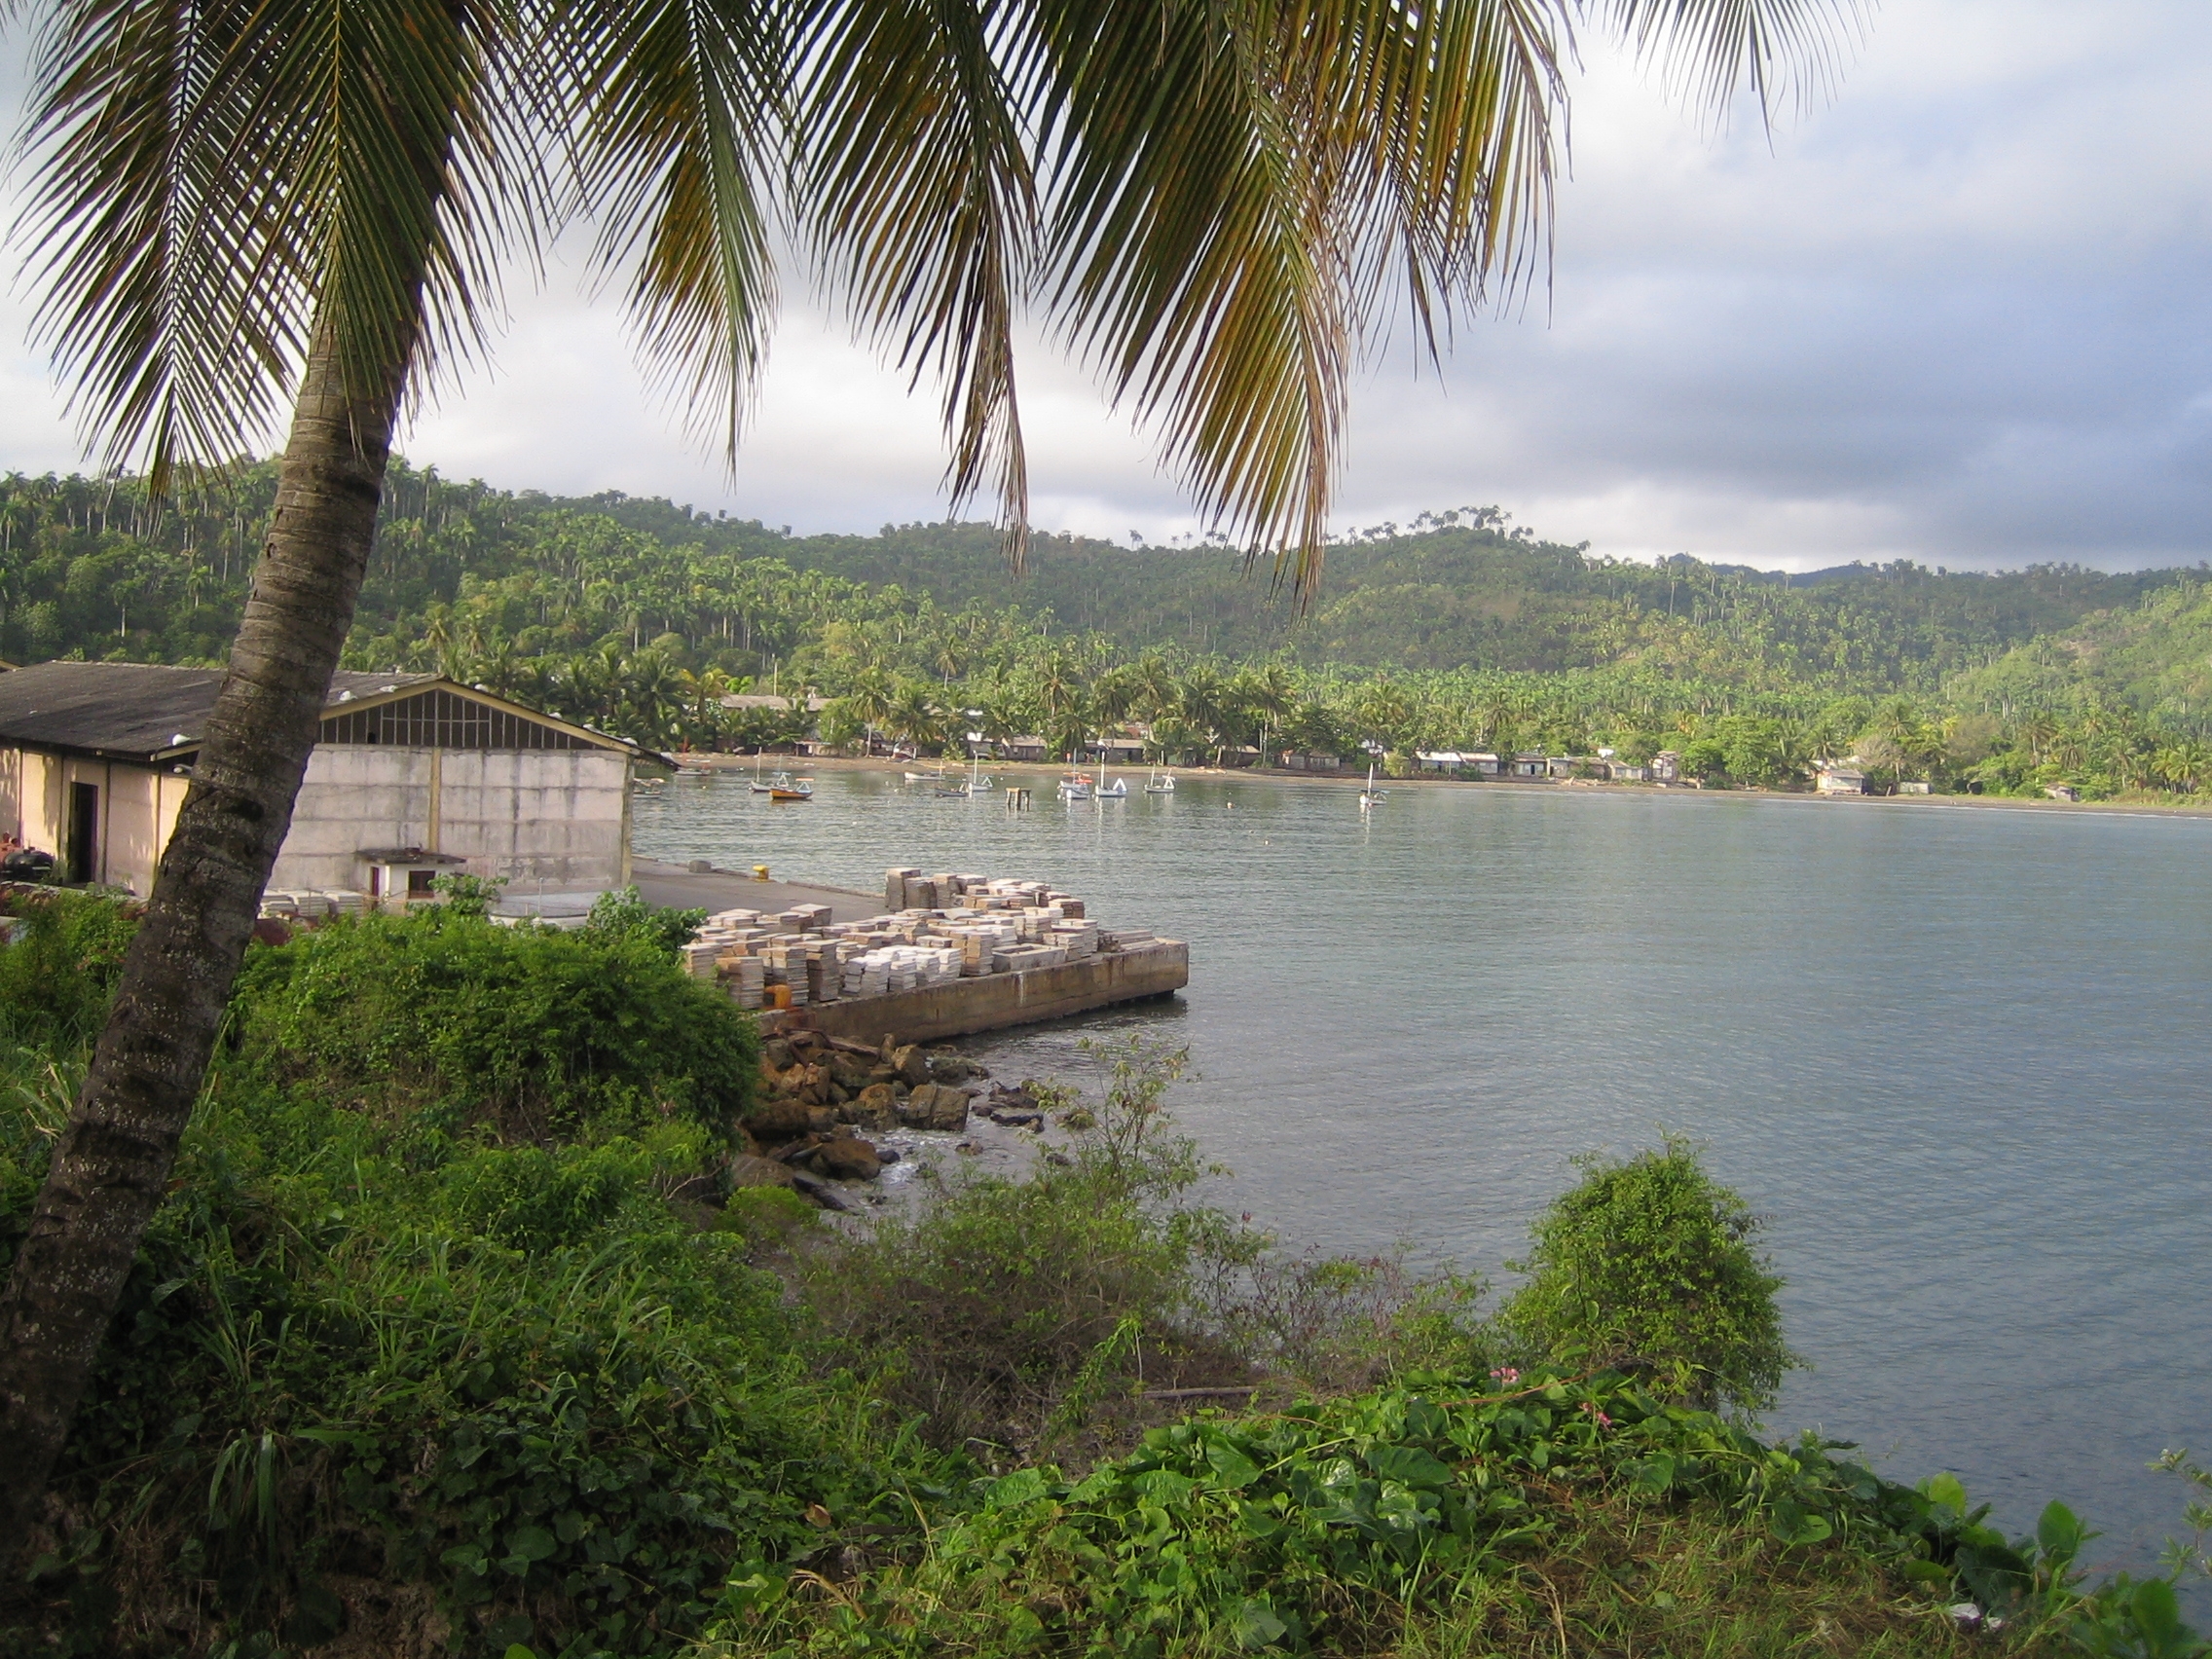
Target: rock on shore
{"type": "Point", "coordinates": [821, 1096]}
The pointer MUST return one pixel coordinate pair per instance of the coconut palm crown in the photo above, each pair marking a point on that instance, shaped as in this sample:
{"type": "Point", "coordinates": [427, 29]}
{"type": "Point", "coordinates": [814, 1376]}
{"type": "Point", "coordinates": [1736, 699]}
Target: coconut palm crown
{"type": "Point", "coordinates": [241, 204]}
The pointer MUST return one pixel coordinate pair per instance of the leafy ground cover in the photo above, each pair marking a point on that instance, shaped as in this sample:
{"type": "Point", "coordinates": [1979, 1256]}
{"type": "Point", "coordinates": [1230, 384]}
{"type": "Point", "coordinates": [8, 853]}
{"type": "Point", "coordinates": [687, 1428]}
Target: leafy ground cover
{"type": "Point", "coordinates": [451, 1339]}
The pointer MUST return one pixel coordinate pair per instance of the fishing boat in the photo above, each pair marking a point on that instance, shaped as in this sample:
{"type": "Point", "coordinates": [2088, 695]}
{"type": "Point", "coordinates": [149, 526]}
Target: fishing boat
{"type": "Point", "coordinates": [1371, 797]}
{"type": "Point", "coordinates": [1159, 782]}
{"type": "Point", "coordinates": [784, 786]}
{"type": "Point", "coordinates": [1075, 786]}
{"type": "Point", "coordinates": [935, 777]}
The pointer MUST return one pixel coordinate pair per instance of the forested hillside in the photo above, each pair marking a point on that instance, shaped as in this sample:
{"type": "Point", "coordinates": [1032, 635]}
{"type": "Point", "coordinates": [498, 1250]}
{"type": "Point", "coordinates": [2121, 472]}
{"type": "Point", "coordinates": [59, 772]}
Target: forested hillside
{"type": "Point", "coordinates": [87, 567]}
{"type": "Point", "coordinates": [1460, 631]}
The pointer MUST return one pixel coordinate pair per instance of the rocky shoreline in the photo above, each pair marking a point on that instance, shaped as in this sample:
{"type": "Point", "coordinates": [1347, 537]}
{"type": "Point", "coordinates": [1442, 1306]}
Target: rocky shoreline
{"type": "Point", "coordinates": [823, 1097]}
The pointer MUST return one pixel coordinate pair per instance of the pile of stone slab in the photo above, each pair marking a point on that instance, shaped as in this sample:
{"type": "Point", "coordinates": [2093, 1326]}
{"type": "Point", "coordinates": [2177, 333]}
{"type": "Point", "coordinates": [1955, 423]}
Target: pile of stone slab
{"type": "Point", "coordinates": [935, 929]}
{"type": "Point", "coordinates": [314, 904]}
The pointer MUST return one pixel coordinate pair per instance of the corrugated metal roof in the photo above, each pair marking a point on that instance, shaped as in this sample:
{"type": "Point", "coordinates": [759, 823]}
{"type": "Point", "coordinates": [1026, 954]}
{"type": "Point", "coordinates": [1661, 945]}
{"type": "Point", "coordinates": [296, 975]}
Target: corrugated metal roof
{"type": "Point", "coordinates": [133, 709]}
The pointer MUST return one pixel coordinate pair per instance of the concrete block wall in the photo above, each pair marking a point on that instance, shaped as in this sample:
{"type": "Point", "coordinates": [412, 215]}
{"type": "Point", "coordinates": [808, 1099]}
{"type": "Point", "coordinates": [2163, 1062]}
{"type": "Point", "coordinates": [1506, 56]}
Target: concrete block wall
{"type": "Point", "coordinates": [560, 817]}
{"type": "Point", "coordinates": [557, 818]}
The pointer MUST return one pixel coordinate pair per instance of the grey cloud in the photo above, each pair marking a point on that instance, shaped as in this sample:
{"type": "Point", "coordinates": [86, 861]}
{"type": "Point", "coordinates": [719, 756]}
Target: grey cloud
{"type": "Point", "coordinates": [1958, 313]}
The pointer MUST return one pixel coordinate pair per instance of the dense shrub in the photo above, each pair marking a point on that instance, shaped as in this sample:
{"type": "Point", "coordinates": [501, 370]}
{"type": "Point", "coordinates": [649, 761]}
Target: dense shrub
{"type": "Point", "coordinates": [448, 1020]}
{"type": "Point", "coordinates": [1446, 1518]}
{"type": "Point", "coordinates": [1652, 1264]}
{"type": "Point", "coordinates": [1009, 1312]}
{"type": "Point", "coordinates": [1015, 1318]}
{"type": "Point", "coordinates": [417, 1338]}
{"type": "Point", "coordinates": [58, 977]}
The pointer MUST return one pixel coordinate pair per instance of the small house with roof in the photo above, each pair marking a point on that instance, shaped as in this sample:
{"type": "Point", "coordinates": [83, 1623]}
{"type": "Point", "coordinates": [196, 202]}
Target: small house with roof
{"type": "Point", "coordinates": [1836, 779]}
{"type": "Point", "coordinates": [411, 775]}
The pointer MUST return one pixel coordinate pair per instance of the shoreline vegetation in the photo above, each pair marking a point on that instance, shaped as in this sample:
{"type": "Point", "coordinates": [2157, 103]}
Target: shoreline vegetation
{"type": "Point", "coordinates": [1349, 782]}
{"type": "Point", "coordinates": [459, 1332]}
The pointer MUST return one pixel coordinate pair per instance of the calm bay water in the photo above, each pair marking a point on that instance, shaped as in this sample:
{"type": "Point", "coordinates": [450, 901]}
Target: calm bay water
{"type": "Point", "coordinates": [1957, 1057]}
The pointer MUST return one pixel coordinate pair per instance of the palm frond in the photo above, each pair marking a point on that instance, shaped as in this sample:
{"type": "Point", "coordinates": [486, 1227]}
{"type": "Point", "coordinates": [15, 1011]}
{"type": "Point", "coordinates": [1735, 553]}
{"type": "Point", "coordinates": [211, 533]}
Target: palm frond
{"type": "Point", "coordinates": [1234, 183]}
{"type": "Point", "coordinates": [173, 295]}
{"type": "Point", "coordinates": [211, 174]}
{"type": "Point", "coordinates": [1713, 47]}
{"type": "Point", "coordinates": [922, 206]}
{"type": "Point", "coordinates": [681, 109]}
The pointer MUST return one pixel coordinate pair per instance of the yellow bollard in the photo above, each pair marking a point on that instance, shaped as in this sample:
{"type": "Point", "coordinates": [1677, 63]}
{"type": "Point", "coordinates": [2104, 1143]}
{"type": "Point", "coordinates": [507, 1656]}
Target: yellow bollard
{"type": "Point", "coordinates": [759, 873]}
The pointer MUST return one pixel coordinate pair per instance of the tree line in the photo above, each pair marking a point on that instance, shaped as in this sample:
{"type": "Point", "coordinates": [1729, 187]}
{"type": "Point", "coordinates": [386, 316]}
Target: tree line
{"type": "Point", "coordinates": [644, 618]}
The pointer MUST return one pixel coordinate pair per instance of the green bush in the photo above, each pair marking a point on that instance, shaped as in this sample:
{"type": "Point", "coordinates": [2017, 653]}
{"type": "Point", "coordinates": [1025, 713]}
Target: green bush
{"type": "Point", "coordinates": [495, 1377]}
{"type": "Point", "coordinates": [1030, 1315]}
{"type": "Point", "coordinates": [767, 1217]}
{"type": "Point", "coordinates": [59, 976]}
{"type": "Point", "coordinates": [1363, 1525]}
{"type": "Point", "coordinates": [451, 1021]}
{"type": "Point", "coordinates": [1652, 1264]}
{"type": "Point", "coordinates": [623, 910]}
{"type": "Point", "coordinates": [534, 1197]}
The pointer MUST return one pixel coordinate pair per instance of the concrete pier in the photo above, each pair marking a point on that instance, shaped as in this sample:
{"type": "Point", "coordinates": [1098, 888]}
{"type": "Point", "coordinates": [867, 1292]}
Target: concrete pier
{"type": "Point", "coordinates": [989, 1002]}
{"type": "Point", "coordinates": [992, 1002]}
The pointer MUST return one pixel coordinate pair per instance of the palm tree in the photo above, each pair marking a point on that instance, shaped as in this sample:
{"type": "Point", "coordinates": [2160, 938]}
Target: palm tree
{"type": "Point", "coordinates": [917, 717]}
{"type": "Point", "coordinates": [241, 204]}
{"type": "Point", "coordinates": [870, 700]}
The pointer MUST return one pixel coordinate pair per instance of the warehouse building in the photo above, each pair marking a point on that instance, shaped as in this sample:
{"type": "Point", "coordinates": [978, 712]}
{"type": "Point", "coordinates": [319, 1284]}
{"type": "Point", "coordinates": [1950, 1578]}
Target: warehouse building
{"type": "Point", "coordinates": [413, 774]}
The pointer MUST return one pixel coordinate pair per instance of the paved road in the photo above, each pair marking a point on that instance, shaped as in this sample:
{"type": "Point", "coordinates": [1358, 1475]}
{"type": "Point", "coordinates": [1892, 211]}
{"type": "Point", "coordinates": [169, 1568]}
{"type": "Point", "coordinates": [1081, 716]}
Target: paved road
{"type": "Point", "coordinates": [678, 888]}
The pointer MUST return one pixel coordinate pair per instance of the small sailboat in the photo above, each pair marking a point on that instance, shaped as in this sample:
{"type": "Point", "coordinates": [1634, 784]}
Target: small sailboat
{"type": "Point", "coordinates": [977, 784]}
{"type": "Point", "coordinates": [1114, 789]}
{"type": "Point", "coordinates": [1371, 797]}
{"type": "Point", "coordinates": [1159, 782]}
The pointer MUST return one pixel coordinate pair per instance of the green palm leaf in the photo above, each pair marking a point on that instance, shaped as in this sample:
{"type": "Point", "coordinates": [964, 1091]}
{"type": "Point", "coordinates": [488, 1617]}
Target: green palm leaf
{"type": "Point", "coordinates": [921, 205]}
{"type": "Point", "coordinates": [213, 175]}
{"type": "Point", "coordinates": [680, 107]}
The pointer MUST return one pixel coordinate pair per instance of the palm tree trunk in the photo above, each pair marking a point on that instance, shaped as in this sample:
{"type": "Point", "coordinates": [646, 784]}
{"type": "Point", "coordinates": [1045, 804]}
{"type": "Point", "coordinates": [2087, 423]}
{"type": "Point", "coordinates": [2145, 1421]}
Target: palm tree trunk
{"type": "Point", "coordinates": [112, 1160]}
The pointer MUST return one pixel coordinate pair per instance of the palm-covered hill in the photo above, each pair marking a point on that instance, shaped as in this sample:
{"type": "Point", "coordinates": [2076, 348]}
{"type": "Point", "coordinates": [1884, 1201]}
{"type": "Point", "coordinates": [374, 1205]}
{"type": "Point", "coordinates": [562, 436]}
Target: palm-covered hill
{"type": "Point", "coordinates": [2155, 656]}
{"type": "Point", "coordinates": [1457, 632]}
{"type": "Point", "coordinates": [88, 566]}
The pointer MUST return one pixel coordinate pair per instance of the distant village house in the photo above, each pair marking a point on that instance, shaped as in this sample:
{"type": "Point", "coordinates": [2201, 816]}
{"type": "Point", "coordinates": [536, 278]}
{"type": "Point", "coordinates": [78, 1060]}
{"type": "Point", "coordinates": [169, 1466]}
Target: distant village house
{"type": "Point", "coordinates": [1840, 780]}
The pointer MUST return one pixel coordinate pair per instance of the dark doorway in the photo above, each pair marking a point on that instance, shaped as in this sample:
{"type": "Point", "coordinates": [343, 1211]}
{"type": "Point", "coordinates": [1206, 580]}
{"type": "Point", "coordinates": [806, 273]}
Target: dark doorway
{"type": "Point", "coordinates": [84, 831]}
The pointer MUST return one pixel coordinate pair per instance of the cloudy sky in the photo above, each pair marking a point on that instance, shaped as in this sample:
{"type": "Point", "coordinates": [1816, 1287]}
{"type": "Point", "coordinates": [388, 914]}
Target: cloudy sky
{"type": "Point", "coordinates": [1960, 312]}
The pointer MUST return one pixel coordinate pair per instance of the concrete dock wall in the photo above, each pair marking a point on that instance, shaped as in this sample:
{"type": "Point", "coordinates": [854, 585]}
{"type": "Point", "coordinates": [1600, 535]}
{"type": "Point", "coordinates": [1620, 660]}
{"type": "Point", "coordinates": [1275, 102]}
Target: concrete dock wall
{"type": "Point", "coordinates": [996, 1001]}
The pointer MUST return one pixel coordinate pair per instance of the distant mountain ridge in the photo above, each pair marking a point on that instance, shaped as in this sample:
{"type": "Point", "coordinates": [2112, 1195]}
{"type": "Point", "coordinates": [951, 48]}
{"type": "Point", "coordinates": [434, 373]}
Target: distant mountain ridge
{"type": "Point", "coordinates": [1482, 598]}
